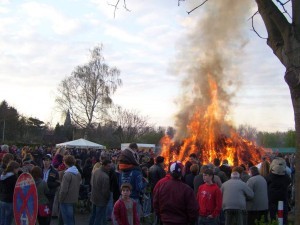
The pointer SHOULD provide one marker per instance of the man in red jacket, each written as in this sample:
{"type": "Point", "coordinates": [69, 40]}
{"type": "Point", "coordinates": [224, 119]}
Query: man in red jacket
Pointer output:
{"type": "Point", "coordinates": [173, 201]}
{"type": "Point", "coordinates": [209, 198]}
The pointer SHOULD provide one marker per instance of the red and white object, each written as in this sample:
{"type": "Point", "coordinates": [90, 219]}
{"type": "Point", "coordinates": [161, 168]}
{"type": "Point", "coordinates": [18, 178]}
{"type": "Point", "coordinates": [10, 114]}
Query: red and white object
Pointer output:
{"type": "Point", "coordinates": [280, 213]}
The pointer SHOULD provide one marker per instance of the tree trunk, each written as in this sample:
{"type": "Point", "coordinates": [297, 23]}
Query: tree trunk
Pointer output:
{"type": "Point", "coordinates": [284, 40]}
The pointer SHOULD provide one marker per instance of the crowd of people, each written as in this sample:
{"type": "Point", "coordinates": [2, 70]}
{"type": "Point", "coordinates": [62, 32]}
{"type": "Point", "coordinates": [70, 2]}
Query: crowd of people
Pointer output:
{"type": "Point", "coordinates": [129, 186]}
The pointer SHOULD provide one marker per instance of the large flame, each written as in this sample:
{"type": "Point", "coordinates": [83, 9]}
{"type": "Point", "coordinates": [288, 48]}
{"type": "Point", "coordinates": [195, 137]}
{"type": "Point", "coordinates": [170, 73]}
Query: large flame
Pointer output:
{"type": "Point", "coordinates": [206, 140]}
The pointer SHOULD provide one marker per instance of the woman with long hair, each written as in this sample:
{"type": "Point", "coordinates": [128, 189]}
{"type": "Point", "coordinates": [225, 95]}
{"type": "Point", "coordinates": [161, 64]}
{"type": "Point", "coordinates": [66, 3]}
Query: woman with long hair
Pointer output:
{"type": "Point", "coordinates": [264, 168]}
{"type": "Point", "coordinates": [8, 181]}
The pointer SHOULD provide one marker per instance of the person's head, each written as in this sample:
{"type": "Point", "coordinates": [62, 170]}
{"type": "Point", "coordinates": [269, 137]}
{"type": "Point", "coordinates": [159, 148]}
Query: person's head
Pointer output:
{"type": "Point", "coordinates": [36, 172]}
{"type": "Point", "coordinates": [203, 168]}
{"type": "Point", "coordinates": [47, 160]}
{"type": "Point", "coordinates": [134, 146]}
{"type": "Point", "coordinates": [106, 165]}
{"type": "Point", "coordinates": [159, 159]}
{"type": "Point", "coordinates": [208, 176]}
{"type": "Point", "coordinates": [126, 190]}
{"type": "Point", "coordinates": [194, 169]}
{"type": "Point", "coordinates": [235, 175]}
{"type": "Point", "coordinates": [217, 162]}
{"type": "Point", "coordinates": [7, 158]}
{"type": "Point", "coordinates": [4, 148]}
{"type": "Point", "coordinates": [69, 160]}
{"type": "Point", "coordinates": [225, 162]}
{"type": "Point", "coordinates": [176, 169]}
{"type": "Point", "coordinates": [238, 169]}
{"type": "Point", "coordinates": [254, 171]}
{"type": "Point", "coordinates": [193, 158]}
{"type": "Point", "coordinates": [12, 167]}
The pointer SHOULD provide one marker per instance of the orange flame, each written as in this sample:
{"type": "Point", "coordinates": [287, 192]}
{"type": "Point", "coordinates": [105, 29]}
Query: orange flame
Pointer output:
{"type": "Point", "coordinates": [205, 138]}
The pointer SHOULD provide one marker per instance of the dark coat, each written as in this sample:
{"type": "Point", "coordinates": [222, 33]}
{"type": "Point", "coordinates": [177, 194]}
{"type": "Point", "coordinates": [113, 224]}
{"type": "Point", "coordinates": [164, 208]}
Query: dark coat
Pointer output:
{"type": "Point", "coordinates": [278, 187]}
{"type": "Point", "coordinates": [156, 172]}
{"type": "Point", "coordinates": [7, 186]}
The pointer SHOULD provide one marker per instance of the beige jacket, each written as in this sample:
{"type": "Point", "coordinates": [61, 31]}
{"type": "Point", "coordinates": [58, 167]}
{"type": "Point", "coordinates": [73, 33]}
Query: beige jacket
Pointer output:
{"type": "Point", "coordinates": [69, 188]}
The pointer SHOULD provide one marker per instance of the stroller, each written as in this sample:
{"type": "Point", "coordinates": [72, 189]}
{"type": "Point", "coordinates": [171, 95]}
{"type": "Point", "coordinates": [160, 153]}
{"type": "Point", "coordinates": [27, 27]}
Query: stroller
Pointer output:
{"type": "Point", "coordinates": [84, 203]}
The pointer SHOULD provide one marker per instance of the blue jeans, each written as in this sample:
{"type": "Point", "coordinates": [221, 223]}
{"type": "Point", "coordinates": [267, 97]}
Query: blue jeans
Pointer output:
{"type": "Point", "coordinates": [207, 221]}
{"type": "Point", "coordinates": [110, 206]}
{"type": "Point", "coordinates": [67, 212]}
{"type": "Point", "coordinates": [6, 212]}
{"type": "Point", "coordinates": [98, 215]}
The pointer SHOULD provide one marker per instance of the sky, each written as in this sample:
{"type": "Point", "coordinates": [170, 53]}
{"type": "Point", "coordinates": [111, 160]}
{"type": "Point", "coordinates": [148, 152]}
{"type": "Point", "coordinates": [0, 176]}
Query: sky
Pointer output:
{"type": "Point", "coordinates": [41, 42]}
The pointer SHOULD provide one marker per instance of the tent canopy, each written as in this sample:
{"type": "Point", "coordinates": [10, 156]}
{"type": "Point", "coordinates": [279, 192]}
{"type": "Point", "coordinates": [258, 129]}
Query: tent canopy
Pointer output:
{"type": "Point", "coordinates": [81, 143]}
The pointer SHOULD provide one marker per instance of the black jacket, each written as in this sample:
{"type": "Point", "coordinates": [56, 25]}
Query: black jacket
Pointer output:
{"type": "Point", "coordinates": [278, 187]}
{"type": "Point", "coordinates": [7, 186]}
{"type": "Point", "coordinates": [52, 182]}
{"type": "Point", "coordinates": [156, 172]}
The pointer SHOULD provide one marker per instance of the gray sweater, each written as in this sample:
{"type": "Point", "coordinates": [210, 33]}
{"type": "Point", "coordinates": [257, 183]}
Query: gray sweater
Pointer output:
{"type": "Point", "coordinates": [69, 188]}
{"type": "Point", "coordinates": [235, 192]}
{"type": "Point", "coordinates": [258, 185]}
{"type": "Point", "coordinates": [100, 188]}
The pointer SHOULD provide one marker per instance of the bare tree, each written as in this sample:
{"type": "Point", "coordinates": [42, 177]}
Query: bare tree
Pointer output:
{"type": "Point", "coordinates": [129, 124]}
{"type": "Point", "coordinates": [87, 92]}
{"type": "Point", "coordinates": [248, 132]}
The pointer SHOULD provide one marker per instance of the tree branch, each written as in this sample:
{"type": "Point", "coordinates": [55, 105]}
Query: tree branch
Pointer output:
{"type": "Point", "coordinates": [252, 23]}
{"type": "Point", "coordinates": [197, 7]}
{"type": "Point", "coordinates": [116, 6]}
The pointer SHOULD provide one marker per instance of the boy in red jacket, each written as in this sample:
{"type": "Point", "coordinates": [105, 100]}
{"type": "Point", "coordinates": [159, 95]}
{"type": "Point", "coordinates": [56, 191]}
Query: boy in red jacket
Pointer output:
{"type": "Point", "coordinates": [125, 209]}
{"type": "Point", "coordinates": [209, 198]}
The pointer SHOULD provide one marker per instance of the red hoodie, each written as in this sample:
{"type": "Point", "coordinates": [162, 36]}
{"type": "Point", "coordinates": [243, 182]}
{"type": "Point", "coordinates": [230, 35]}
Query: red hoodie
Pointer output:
{"type": "Point", "coordinates": [209, 198]}
{"type": "Point", "coordinates": [160, 182]}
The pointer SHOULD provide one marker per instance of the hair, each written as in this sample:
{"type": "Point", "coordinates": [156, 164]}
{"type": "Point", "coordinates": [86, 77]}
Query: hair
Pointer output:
{"type": "Point", "coordinates": [254, 171]}
{"type": "Point", "coordinates": [12, 165]}
{"type": "Point", "coordinates": [7, 158]}
{"type": "Point", "coordinates": [217, 162]}
{"type": "Point", "coordinates": [36, 172]}
{"type": "Point", "coordinates": [203, 168]}
{"type": "Point", "coordinates": [105, 162]}
{"type": "Point", "coordinates": [225, 161]}
{"type": "Point", "coordinates": [4, 148]}
{"type": "Point", "coordinates": [69, 160]}
{"type": "Point", "coordinates": [126, 185]}
{"type": "Point", "coordinates": [60, 151]}
{"type": "Point", "coordinates": [209, 172]}
{"type": "Point", "coordinates": [96, 166]}
{"type": "Point", "coordinates": [193, 155]}
{"type": "Point", "coordinates": [243, 166]}
{"type": "Point", "coordinates": [238, 169]}
{"type": "Point", "coordinates": [194, 169]}
{"type": "Point", "coordinates": [176, 175]}
{"type": "Point", "coordinates": [264, 169]}
{"type": "Point", "coordinates": [133, 146]}
{"type": "Point", "coordinates": [235, 175]}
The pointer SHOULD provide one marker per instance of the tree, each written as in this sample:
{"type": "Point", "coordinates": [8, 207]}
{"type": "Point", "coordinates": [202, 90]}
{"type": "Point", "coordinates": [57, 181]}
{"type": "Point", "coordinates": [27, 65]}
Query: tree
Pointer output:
{"type": "Point", "coordinates": [284, 40]}
{"type": "Point", "coordinates": [87, 92]}
{"type": "Point", "coordinates": [129, 124]}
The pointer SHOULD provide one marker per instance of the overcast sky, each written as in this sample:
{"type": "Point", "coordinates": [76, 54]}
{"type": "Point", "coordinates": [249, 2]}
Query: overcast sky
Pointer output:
{"type": "Point", "coordinates": [41, 42]}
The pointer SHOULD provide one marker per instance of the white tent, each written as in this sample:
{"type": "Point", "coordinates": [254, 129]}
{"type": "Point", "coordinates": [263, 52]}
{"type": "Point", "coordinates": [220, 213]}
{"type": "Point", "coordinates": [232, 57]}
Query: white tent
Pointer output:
{"type": "Point", "coordinates": [81, 143]}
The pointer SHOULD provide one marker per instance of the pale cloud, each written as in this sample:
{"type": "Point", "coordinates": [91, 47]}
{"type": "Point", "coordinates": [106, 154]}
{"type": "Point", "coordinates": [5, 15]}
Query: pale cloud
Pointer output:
{"type": "Point", "coordinates": [37, 13]}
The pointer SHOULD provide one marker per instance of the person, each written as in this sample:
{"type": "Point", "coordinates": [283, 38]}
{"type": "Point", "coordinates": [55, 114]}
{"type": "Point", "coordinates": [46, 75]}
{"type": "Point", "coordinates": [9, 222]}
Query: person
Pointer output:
{"type": "Point", "coordinates": [100, 193]}
{"type": "Point", "coordinates": [235, 192]}
{"type": "Point", "coordinates": [51, 177]}
{"type": "Point", "coordinates": [189, 178]}
{"type": "Point", "coordinates": [174, 202]}
{"type": "Point", "coordinates": [156, 172]}
{"type": "Point", "coordinates": [264, 169]}
{"type": "Point", "coordinates": [125, 209]}
{"type": "Point", "coordinates": [244, 176]}
{"type": "Point", "coordinates": [209, 198]}
{"type": "Point", "coordinates": [130, 172]}
{"type": "Point", "coordinates": [58, 157]}
{"type": "Point", "coordinates": [198, 180]}
{"type": "Point", "coordinates": [69, 190]}
{"type": "Point", "coordinates": [226, 168]}
{"type": "Point", "coordinates": [258, 206]}
{"type": "Point", "coordinates": [8, 181]}
{"type": "Point", "coordinates": [218, 172]}
{"type": "Point", "coordinates": [278, 182]}
{"type": "Point", "coordinates": [7, 158]}
{"type": "Point", "coordinates": [44, 212]}
{"type": "Point", "coordinates": [192, 160]}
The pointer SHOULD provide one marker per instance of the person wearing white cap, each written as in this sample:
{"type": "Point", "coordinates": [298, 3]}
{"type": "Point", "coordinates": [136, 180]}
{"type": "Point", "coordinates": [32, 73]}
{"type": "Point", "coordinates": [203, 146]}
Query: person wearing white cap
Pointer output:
{"type": "Point", "coordinates": [174, 202]}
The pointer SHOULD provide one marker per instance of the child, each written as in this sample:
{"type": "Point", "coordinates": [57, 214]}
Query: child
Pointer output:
{"type": "Point", "coordinates": [125, 209]}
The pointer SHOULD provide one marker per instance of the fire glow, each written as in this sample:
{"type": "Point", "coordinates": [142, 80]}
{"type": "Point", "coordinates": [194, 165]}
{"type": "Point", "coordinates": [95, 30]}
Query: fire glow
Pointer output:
{"type": "Point", "coordinates": [207, 139]}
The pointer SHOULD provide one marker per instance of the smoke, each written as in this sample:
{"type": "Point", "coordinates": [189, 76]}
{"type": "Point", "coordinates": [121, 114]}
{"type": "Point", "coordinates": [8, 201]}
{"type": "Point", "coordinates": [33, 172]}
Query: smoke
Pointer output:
{"type": "Point", "coordinates": [211, 51]}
